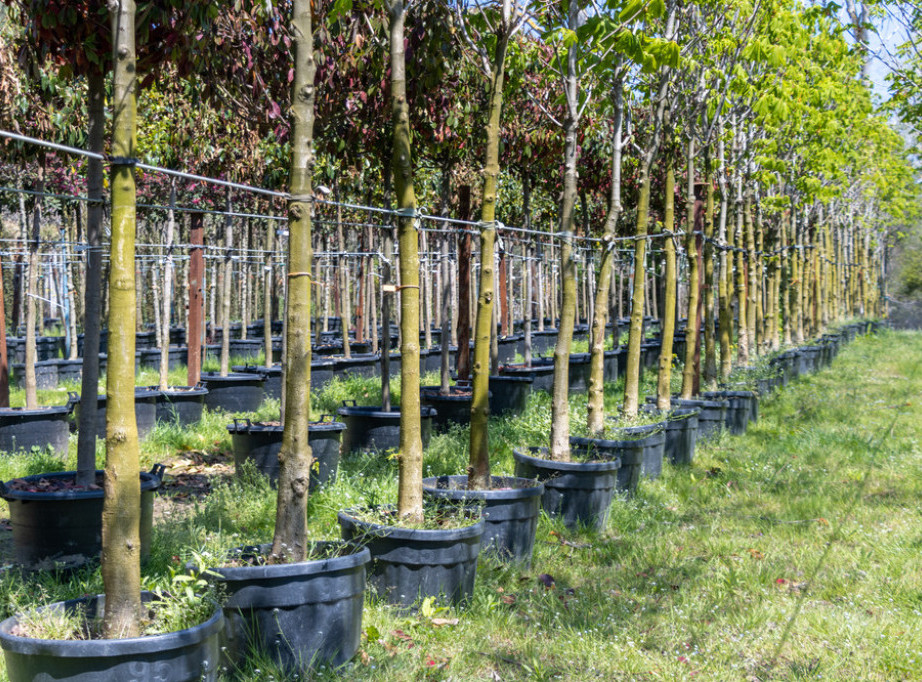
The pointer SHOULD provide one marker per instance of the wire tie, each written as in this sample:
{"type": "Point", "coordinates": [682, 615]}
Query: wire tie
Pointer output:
{"type": "Point", "coordinates": [408, 212]}
{"type": "Point", "coordinates": [122, 161]}
{"type": "Point", "coordinates": [299, 274]}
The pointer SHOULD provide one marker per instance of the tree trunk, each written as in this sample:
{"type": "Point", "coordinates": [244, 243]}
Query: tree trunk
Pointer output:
{"type": "Point", "coordinates": [196, 314]}
{"type": "Point", "coordinates": [691, 248]}
{"type": "Point", "coordinates": [268, 273]}
{"type": "Point", "coordinates": [290, 540]}
{"type": "Point", "coordinates": [710, 337]}
{"type": "Point", "coordinates": [121, 514]}
{"type": "Point", "coordinates": [32, 292]}
{"type": "Point", "coordinates": [664, 392]}
{"type": "Point", "coordinates": [227, 271]}
{"type": "Point", "coordinates": [167, 293]}
{"type": "Point", "coordinates": [463, 326]}
{"type": "Point", "coordinates": [410, 484]}
{"type": "Point", "coordinates": [742, 330]}
{"type": "Point", "coordinates": [560, 406]}
{"type": "Point", "coordinates": [596, 406]}
{"type": "Point", "coordinates": [632, 371]}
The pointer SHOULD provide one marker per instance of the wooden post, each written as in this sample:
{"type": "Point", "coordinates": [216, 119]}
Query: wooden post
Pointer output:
{"type": "Point", "coordinates": [196, 298]}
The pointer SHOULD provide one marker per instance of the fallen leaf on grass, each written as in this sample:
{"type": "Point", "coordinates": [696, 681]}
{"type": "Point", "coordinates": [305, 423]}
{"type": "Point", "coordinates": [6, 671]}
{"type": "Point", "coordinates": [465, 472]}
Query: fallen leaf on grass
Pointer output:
{"type": "Point", "coordinates": [439, 622]}
{"type": "Point", "coordinates": [548, 580]}
{"type": "Point", "coordinates": [756, 554]}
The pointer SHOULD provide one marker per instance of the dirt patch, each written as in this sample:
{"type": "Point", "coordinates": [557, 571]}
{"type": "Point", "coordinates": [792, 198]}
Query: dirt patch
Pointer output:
{"type": "Point", "coordinates": [189, 478]}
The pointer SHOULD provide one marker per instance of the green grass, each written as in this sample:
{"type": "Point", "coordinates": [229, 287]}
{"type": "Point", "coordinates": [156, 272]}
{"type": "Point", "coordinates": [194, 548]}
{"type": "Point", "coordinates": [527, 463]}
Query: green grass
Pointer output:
{"type": "Point", "coordinates": [789, 553]}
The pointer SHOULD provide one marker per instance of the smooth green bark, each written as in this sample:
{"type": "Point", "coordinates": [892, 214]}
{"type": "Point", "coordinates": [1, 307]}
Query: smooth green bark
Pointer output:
{"type": "Point", "coordinates": [289, 542]}
{"type": "Point", "coordinates": [121, 514]}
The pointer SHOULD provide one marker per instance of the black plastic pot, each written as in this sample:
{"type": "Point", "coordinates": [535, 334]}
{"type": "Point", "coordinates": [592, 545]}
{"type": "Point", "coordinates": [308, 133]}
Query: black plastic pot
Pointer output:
{"type": "Point", "coordinates": [711, 419]}
{"type": "Point", "coordinates": [611, 362]}
{"type": "Point", "coordinates": [301, 615]}
{"type": "Point", "coordinates": [145, 410]}
{"type": "Point", "coordinates": [246, 349]}
{"type": "Point", "coordinates": [409, 565]}
{"type": "Point", "coordinates": [541, 374]}
{"type": "Point", "coordinates": [509, 394]}
{"type": "Point", "coordinates": [373, 429]}
{"type": "Point", "coordinates": [543, 341]}
{"type": "Point", "coordinates": [321, 373]}
{"type": "Point", "coordinates": [66, 526]}
{"type": "Point", "coordinates": [181, 405]}
{"type": "Point", "coordinates": [272, 378]}
{"type": "Point", "coordinates": [650, 437]}
{"type": "Point", "coordinates": [738, 402]}
{"type": "Point", "coordinates": [69, 371]}
{"type": "Point", "coordinates": [628, 452]}
{"type": "Point", "coordinates": [176, 357]}
{"type": "Point", "coordinates": [510, 511]}
{"type": "Point", "coordinates": [576, 492]}
{"type": "Point", "coordinates": [359, 365]}
{"type": "Point", "coordinates": [233, 393]}
{"type": "Point", "coordinates": [454, 408]}
{"type": "Point", "coordinates": [506, 347]}
{"type": "Point", "coordinates": [22, 429]}
{"type": "Point", "coordinates": [681, 433]}
{"type": "Point", "coordinates": [260, 443]}
{"type": "Point", "coordinates": [46, 374]}
{"type": "Point", "coordinates": [189, 655]}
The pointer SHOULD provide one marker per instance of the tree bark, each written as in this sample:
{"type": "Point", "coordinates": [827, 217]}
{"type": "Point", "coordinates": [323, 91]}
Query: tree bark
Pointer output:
{"type": "Point", "coordinates": [691, 249]}
{"type": "Point", "coordinates": [289, 542]}
{"type": "Point", "coordinates": [664, 382]}
{"type": "Point", "coordinates": [196, 315]}
{"type": "Point", "coordinates": [167, 293]}
{"type": "Point", "coordinates": [121, 514]}
{"type": "Point", "coordinates": [560, 407]}
{"type": "Point", "coordinates": [227, 271]}
{"type": "Point", "coordinates": [410, 483]}
{"type": "Point", "coordinates": [596, 402]}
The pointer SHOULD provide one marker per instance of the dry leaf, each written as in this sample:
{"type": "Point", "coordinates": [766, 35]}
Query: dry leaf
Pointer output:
{"type": "Point", "coordinates": [439, 622]}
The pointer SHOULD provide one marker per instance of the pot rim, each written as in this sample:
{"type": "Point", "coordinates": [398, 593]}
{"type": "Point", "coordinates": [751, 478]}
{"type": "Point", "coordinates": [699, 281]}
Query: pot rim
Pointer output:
{"type": "Point", "coordinates": [376, 412]}
{"type": "Point", "coordinates": [346, 518]}
{"type": "Point", "coordinates": [359, 557]}
{"type": "Point", "coordinates": [106, 648]}
{"type": "Point", "coordinates": [150, 480]}
{"type": "Point", "coordinates": [528, 488]}
{"type": "Point", "coordinates": [594, 466]}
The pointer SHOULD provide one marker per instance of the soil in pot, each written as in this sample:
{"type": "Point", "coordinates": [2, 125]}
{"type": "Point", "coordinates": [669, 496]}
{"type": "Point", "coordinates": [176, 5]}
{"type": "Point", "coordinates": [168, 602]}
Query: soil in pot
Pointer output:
{"type": "Point", "coordinates": [509, 509]}
{"type": "Point", "coordinates": [56, 523]}
{"type": "Point", "coordinates": [371, 429]}
{"type": "Point", "coordinates": [189, 655]}
{"type": "Point", "coordinates": [260, 442]}
{"type": "Point", "coordinates": [409, 564]}
{"type": "Point", "coordinates": [578, 492]}
{"type": "Point", "coordinates": [22, 429]}
{"type": "Point", "coordinates": [300, 615]}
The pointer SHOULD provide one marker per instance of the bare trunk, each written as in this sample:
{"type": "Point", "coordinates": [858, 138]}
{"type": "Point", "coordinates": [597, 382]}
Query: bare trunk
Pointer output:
{"type": "Point", "coordinates": [121, 513]}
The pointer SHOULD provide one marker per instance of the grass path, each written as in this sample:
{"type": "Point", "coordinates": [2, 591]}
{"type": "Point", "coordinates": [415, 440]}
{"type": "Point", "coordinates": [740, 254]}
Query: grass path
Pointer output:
{"type": "Point", "coordinates": [790, 553]}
